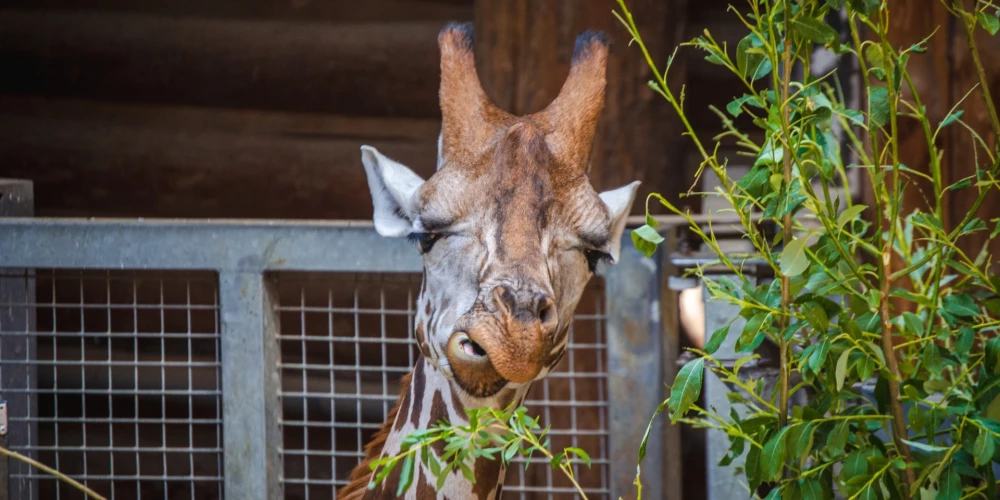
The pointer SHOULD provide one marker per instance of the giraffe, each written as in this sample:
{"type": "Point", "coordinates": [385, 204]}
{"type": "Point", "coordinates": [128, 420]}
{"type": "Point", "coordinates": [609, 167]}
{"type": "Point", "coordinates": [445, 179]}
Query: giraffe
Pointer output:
{"type": "Point", "coordinates": [510, 231]}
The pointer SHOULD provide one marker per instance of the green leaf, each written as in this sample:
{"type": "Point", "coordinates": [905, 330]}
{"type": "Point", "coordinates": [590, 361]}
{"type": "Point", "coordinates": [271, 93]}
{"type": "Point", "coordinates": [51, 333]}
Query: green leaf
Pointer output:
{"type": "Point", "coordinates": [811, 488]}
{"type": "Point", "coordinates": [752, 471]}
{"type": "Point", "coordinates": [924, 447]}
{"type": "Point", "coordinates": [951, 118]}
{"type": "Point", "coordinates": [754, 181]}
{"type": "Point", "coordinates": [801, 442]}
{"type": "Point", "coordinates": [852, 115]}
{"type": "Point", "coordinates": [962, 184]}
{"type": "Point", "coordinates": [735, 107]}
{"type": "Point", "coordinates": [856, 463]}
{"type": "Point", "coordinates": [841, 370]}
{"type": "Point", "coordinates": [983, 448]}
{"type": "Point", "coordinates": [751, 61]}
{"type": "Point", "coordinates": [582, 455]}
{"type": "Point", "coordinates": [992, 362]}
{"type": "Point", "coordinates": [966, 337]}
{"type": "Point", "coordinates": [878, 105]}
{"type": "Point", "coordinates": [850, 214]}
{"type": "Point", "coordinates": [405, 476]}
{"type": "Point", "coordinates": [961, 305]}
{"type": "Point", "coordinates": [769, 155]}
{"type": "Point", "coordinates": [686, 388]}
{"type": "Point", "coordinates": [931, 357]}
{"type": "Point", "coordinates": [646, 239]}
{"type": "Point", "coordinates": [793, 258]}
{"type": "Point", "coordinates": [818, 357]}
{"type": "Point", "coordinates": [716, 340]}
{"type": "Point", "coordinates": [813, 30]}
{"type": "Point", "coordinates": [993, 409]}
{"type": "Point", "coordinates": [773, 455]}
{"type": "Point", "coordinates": [752, 331]}
{"type": "Point", "coordinates": [836, 441]}
{"type": "Point", "coordinates": [950, 485]}
{"type": "Point", "coordinates": [989, 22]}
{"type": "Point", "coordinates": [913, 324]}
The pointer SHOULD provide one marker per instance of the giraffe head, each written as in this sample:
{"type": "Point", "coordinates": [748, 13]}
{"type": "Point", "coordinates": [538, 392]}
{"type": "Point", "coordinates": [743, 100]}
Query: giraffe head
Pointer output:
{"type": "Point", "coordinates": [509, 227]}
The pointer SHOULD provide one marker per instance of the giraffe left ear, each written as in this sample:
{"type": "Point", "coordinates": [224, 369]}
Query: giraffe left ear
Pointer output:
{"type": "Point", "coordinates": [394, 193]}
{"type": "Point", "coordinates": [619, 204]}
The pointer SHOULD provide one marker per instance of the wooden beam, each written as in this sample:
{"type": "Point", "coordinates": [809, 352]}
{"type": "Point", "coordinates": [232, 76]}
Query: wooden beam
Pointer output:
{"type": "Point", "coordinates": [379, 69]}
{"type": "Point", "coordinates": [330, 11]}
{"type": "Point", "coordinates": [99, 159]}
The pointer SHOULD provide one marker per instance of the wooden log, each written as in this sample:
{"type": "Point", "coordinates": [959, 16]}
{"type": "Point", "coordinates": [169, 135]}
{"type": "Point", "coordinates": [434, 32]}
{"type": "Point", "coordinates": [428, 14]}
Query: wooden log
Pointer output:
{"type": "Point", "coordinates": [352, 69]}
{"type": "Point", "coordinates": [107, 160]}
{"type": "Point", "coordinates": [334, 11]}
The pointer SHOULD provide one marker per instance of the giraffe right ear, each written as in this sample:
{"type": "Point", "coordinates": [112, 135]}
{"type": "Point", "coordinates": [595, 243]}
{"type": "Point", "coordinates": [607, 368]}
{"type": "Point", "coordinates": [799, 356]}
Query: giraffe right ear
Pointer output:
{"type": "Point", "coordinates": [394, 193]}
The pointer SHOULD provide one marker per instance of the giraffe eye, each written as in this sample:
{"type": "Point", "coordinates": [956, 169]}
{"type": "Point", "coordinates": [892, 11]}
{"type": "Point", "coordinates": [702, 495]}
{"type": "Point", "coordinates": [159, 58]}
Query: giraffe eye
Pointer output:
{"type": "Point", "coordinates": [595, 256]}
{"type": "Point", "coordinates": [424, 240]}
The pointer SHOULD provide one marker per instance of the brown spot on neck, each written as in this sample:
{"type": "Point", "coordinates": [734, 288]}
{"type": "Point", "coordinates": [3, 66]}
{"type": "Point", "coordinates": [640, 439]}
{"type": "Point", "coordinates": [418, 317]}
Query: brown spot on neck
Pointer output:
{"type": "Point", "coordinates": [419, 383]}
{"type": "Point", "coordinates": [487, 476]}
{"type": "Point", "coordinates": [438, 412]}
{"type": "Point", "coordinates": [357, 486]}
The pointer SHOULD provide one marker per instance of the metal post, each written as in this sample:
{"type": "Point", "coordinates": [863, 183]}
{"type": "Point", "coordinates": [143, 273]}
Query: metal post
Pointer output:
{"type": "Point", "coordinates": [250, 382]}
{"type": "Point", "coordinates": [723, 483]}
{"type": "Point", "coordinates": [635, 368]}
{"type": "Point", "coordinates": [17, 349]}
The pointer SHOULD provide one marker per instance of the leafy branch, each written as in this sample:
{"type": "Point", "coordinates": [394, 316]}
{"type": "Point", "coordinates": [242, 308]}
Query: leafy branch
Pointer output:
{"type": "Point", "coordinates": [490, 434]}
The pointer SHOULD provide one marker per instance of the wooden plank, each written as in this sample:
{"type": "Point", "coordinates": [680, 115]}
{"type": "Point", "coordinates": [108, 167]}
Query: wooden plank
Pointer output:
{"type": "Point", "coordinates": [378, 69]}
{"type": "Point", "coordinates": [335, 11]}
{"type": "Point", "coordinates": [960, 149]}
{"type": "Point", "coordinates": [88, 159]}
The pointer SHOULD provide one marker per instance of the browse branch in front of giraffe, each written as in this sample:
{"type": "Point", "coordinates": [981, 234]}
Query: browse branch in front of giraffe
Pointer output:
{"type": "Point", "coordinates": [510, 231]}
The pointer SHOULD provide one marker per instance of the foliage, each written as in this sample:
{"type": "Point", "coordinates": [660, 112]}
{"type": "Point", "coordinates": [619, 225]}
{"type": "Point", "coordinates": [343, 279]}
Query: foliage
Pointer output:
{"type": "Point", "coordinates": [895, 302]}
{"type": "Point", "coordinates": [889, 300]}
{"type": "Point", "coordinates": [489, 433]}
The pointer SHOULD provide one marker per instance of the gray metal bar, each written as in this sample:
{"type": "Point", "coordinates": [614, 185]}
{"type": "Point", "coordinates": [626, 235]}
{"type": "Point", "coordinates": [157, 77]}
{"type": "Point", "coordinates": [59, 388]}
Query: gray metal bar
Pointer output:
{"type": "Point", "coordinates": [635, 366]}
{"type": "Point", "coordinates": [17, 286]}
{"type": "Point", "coordinates": [203, 245]}
{"type": "Point", "coordinates": [722, 482]}
{"type": "Point", "coordinates": [673, 467]}
{"type": "Point", "coordinates": [250, 383]}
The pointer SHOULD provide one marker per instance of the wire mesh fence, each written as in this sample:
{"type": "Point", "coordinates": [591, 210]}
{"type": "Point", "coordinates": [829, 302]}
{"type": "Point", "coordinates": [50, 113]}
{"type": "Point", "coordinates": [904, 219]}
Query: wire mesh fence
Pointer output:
{"type": "Point", "coordinates": [112, 378]}
{"type": "Point", "coordinates": [347, 339]}
{"type": "Point", "coordinates": [261, 356]}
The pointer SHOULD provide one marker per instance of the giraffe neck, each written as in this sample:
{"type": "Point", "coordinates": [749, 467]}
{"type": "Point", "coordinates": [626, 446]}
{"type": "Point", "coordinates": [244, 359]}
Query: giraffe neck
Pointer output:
{"type": "Point", "coordinates": [426, 398]}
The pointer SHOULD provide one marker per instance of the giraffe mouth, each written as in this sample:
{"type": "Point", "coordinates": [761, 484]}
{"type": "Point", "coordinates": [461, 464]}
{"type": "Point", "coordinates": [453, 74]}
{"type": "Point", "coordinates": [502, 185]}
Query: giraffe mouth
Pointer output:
{"type": "Point", "coordinates": [472, 349]}
{"type": "Point", "coordinates": [467, 348]}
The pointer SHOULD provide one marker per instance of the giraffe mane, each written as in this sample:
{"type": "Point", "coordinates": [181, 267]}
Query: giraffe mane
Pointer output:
{"type": "Point", "coordinates": [361, 474]}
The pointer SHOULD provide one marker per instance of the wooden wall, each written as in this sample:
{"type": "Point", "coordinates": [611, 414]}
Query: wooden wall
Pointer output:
{"type": "Point", "coordinates": [227, 108]}
{"type": "Point", "coordinates": [252, 108]}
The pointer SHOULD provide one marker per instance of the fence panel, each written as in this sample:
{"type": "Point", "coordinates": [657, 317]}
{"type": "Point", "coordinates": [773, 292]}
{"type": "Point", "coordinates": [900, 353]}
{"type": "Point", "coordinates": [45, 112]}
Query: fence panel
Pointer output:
{"type": "Point", "coordinates": [253, 359]}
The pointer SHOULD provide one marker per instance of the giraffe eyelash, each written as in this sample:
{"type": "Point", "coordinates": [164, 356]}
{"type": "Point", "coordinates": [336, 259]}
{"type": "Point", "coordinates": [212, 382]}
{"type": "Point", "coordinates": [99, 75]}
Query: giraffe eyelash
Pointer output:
{"type": "Point", "coordinates": [596, 256]}
{"type": "Point", "coordinates": [424, 240]}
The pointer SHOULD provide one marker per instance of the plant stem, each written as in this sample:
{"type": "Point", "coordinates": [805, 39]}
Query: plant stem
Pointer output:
{"type": "Point", "coordinates": [893, 200]}
{"type": "Point", "coordinates": [786, 292]}
{"type": "Point", "coordinates": [44, 468]}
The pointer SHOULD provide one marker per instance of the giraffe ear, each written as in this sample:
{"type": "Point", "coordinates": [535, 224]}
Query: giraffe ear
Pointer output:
{"type": "Point", "coordinates": [619, 204]}
{"type": "Point", "coordinates": [394, 193]}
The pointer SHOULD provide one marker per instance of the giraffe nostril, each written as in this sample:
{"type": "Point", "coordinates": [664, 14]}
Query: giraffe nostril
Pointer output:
{"type": "Point", "coordinates": [546, 311]}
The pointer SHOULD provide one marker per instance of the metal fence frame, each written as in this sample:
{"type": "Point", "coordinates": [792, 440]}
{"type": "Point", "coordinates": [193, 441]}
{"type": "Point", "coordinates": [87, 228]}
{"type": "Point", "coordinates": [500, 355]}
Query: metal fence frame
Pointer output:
{"type": "Point", "coordinates": [244, 252]}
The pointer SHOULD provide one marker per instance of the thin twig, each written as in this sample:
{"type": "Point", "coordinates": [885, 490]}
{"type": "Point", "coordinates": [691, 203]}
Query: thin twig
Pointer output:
{"type": "Point", "coordinates": [48, 470]}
